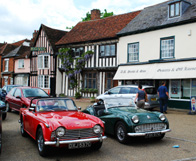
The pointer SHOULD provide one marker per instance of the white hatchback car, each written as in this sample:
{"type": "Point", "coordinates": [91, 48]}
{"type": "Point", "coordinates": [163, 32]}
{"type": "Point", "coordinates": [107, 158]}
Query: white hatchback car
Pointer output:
{"type": "Point", "coordinates": [129, 91]}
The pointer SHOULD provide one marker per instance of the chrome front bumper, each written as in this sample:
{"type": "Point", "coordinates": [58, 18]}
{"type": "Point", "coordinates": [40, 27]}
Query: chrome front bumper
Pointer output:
{"type": "Point", "coordinates": [60, 142]}
{"type": "Point", "coordinates": [146, 133]}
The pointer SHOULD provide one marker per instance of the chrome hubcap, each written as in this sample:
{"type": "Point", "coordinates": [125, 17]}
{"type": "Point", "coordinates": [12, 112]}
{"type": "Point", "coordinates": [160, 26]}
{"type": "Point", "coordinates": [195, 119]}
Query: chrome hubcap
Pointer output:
{"type": "Point", "coordinates": [120, 133]}
{"type": "Point", "coordinates": [40, 142]}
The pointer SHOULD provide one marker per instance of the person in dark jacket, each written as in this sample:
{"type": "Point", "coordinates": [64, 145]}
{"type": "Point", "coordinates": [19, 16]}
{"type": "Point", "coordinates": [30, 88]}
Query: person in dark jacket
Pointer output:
{"type": "Point", "coordinates": [163, 97]}
{"type": "Point", "coordinates": [140, 97]}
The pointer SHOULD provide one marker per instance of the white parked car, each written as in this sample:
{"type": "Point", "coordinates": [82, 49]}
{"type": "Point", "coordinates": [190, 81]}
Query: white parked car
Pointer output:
{"type": "Point", "coordinates": [129, 91]}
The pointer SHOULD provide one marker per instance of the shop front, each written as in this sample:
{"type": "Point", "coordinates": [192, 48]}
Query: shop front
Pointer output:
{"type": "Point", "coordinates": [180, 77]}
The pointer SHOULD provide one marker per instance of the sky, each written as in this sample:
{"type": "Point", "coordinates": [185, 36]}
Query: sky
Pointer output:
{"type": "Point", "coordinates": [19, 18]}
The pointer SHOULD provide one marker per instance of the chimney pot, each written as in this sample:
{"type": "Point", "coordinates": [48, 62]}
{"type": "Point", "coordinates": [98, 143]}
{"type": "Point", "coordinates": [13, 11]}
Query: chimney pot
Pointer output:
{"type": "Point", "coordinates": [95, 14]}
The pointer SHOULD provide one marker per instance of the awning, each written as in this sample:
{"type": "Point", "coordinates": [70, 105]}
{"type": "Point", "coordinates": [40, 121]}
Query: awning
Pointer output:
{"type": "Point", "coordinates": [169, 70]}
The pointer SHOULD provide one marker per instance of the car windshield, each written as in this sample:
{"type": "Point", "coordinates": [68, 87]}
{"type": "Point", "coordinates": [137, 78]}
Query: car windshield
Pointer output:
{"type": "Point", "coordinates": [150, 90]}
{"type": "Point", "coordinates": [55, 105]}
{"type": "Point", "coordinates": [34, 92]}
{"type": "Point", "coordinates": [113, 102]}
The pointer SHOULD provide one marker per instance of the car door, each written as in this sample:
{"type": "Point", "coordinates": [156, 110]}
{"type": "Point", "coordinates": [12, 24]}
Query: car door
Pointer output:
{"type": "Point", "coordinates": [128, 92]}
{"type": "Point", "coordinates": [17, 99]}
{"type": "Point", "coordinates": [30, 121]}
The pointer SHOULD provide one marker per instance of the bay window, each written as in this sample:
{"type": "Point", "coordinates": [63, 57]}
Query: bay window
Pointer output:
{"type": "Point", "coordinates": [43, 61]}
{"type": "Point", "coordinates": [43, 81]}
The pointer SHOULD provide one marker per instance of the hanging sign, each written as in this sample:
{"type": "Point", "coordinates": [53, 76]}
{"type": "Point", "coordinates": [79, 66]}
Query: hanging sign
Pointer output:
{"type": "Point", "coordinates": [38, 49]}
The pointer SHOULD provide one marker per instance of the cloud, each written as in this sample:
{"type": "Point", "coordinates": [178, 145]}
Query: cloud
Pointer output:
{"type": "Point", "coordinates": [20, 18]}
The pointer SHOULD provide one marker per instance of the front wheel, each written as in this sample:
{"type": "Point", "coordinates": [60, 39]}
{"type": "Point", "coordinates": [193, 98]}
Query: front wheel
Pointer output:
{"type": "Point", "coordinates": [43, 150]}
{"type": "Point", "coordinates": [22, 131]}
{"type": "Point", "coordinates": [7, 107]}
{"type": "Point", "coordinates": [97, 146]}
{"type": "Point", "coordinates": [121, 133]}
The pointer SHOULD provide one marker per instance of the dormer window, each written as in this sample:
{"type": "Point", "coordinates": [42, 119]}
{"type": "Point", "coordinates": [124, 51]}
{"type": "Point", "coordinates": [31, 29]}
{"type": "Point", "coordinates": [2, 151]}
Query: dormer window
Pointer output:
{"type": "Point", "coordinates": [174, 10]}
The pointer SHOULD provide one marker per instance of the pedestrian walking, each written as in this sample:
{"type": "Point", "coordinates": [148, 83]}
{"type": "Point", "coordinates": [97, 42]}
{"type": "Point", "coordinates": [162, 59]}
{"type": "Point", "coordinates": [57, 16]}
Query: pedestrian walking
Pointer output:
{"type": "Point", "coordinates": [163, 97]}
{"type": "Point", "coordinates": [140, 97]}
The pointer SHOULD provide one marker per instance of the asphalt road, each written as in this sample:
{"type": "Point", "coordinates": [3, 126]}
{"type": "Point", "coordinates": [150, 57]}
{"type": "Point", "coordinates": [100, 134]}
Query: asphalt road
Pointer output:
{"type": "Point", "coordinates": [18, 148]}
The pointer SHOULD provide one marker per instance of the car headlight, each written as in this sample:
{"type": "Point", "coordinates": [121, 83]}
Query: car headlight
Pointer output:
{"type": "Point", "coordinates": [60, 131]}
{"type": "Point", "coordinates": [135, 119]}
{"type": "Point", "coordinates": [162, 117]}
{"type": "Point", "coordinates": [97, 129]}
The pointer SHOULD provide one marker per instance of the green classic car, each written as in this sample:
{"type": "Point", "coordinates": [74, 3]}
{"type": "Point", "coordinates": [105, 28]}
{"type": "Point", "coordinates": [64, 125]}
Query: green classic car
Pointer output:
{"type": "Point", "coordinates": [123, 119]}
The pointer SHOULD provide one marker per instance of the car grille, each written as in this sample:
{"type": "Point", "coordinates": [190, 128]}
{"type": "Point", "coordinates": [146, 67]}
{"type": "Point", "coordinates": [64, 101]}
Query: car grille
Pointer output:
{"type": "Point", "coordinates": [77, 134]}
{"type": "Point", "coordinates": [150, 127]}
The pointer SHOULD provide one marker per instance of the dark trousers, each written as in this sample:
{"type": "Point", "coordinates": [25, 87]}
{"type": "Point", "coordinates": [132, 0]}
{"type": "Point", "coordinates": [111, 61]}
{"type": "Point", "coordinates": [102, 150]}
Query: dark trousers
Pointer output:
{"type": "Point", "coordinates": [163, 104]}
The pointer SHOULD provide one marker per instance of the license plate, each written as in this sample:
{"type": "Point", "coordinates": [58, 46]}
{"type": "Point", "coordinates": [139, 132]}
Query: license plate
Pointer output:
{"type": "Point", "coordinates": [153, 99]}
{"type": "Point", "coordinates": [151, 135]}
{"type": "Point", "coordinates": [79, 145]}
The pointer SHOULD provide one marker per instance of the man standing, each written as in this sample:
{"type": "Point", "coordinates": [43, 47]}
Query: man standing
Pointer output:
{"type": "Point", "coordinates": [163, 97]}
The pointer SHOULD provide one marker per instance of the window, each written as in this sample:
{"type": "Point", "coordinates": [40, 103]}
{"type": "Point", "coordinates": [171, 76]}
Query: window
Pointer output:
{"type": "Point", "coordinates": [114, 90]}
{"type": "Point", "coordinates": [174, 10]}
{"type": "Point", "coordinates": [43, 81]}
{"type": "Point", "coordinates": [182, 89]}
{"type": "Point", "coordinates": [167, 47]}
{"type": "Point", "coordinates": [21, 63]}
{"type": "Point", "coordinates": [17, 93]}
{"type": "Point", "coordinates": [107, 50]}
{"type": "Point", "coordinates": [43, 61]}
{"type": "Point", "coordinates": [6, 65]}
{"type": "Point", "coordinates": [109, 80]}
{"type": "Point", "coordinates": [77, 52]}
{"type": "Point", "coordinates": [133, 52]}
{"type": "Point", "coordinates": [90, 80]}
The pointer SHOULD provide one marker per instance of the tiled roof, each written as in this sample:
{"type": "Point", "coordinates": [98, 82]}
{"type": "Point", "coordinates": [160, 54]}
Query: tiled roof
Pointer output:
{"type": "Point", "coordinates": [4, 50]}
{"type": "Point", "coordinates": [156, 17]}
{"type": "Point", "coordinates": [20, 42]}
{"type": "Point", "coordinates": [99, 29]}
{"type": "Point", "coordinates": [19, 52]}
{"type": "Point", "coordinates": [53, 35]}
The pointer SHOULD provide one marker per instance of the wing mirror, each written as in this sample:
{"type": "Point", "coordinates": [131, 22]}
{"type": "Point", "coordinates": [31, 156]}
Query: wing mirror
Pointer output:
{"type": "Point", "coordinates": [31, 109]}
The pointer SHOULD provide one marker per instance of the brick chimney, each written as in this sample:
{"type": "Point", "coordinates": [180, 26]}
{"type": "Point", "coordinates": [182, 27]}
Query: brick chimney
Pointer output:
{"type": "Point", "coordinates": [35, 33]}
{"type": "Point", "coordinates": [95, 14]}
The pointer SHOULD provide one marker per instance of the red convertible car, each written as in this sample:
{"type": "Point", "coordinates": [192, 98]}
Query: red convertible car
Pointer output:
{"type": "Point", "coordinates": [20, 97]}
{"type": "Point", "coordinates": [57, 122]}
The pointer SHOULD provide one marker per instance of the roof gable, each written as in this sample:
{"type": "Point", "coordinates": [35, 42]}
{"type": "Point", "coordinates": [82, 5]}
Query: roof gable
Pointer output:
{"type": "Point", "coordinates": [156, 17]}
{"type": "Point", "coordinates": [53, 35]}
{"type": "Point", "coordinates": [98, 29]}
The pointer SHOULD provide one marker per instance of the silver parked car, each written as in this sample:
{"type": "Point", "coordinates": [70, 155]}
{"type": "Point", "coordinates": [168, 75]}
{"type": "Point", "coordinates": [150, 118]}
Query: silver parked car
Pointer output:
{"type": "Point", "coordinates": [129, 91]}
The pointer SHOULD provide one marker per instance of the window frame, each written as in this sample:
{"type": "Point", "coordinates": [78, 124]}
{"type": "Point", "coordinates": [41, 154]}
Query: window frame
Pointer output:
{"type": "Point", "coordinates": [86, 80]}
{"type": "Point", "coordinates": [74, 49]}
{"type": "Point", "coordinates": [175, 15]}
{"type": "Point", "coordinates": [43, 81]}
{"type": "Point", "coordinates": [43, 63]}
{"type": "Point", "coordinates": [105, 45]}
{"type": "Point", "coordinates": [20, 61]}
{"type": "Point", "coordinates": [6, 65]}
{"type": "Point", "coordinates": [167, 38]}
{"type": "Point", "coordinates": [134, 53]}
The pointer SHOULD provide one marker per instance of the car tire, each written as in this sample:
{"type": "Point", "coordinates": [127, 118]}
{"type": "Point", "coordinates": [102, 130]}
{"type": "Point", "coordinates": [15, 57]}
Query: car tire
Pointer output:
{"type": "Point", "coordinates": [4, 115]}
{"type": "Point", "coordinates": [43, 149]}
{"type": "Point", "coordinates": [22, 131]}
{"type": "Point", "coordinates": [121, 133]}
{"type": "Point", "coordinates": [160, 137]}
{"type": "Point", "coordinates": [7, 107]}
{"type": "Point", "coordinates": [97, 146]}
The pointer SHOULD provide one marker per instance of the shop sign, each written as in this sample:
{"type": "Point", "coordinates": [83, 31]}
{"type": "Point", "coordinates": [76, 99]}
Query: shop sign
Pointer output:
{"type": "Point", "coordinates": [38, 49]}
{"type": "Point", "coordinates": [193, 104]}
